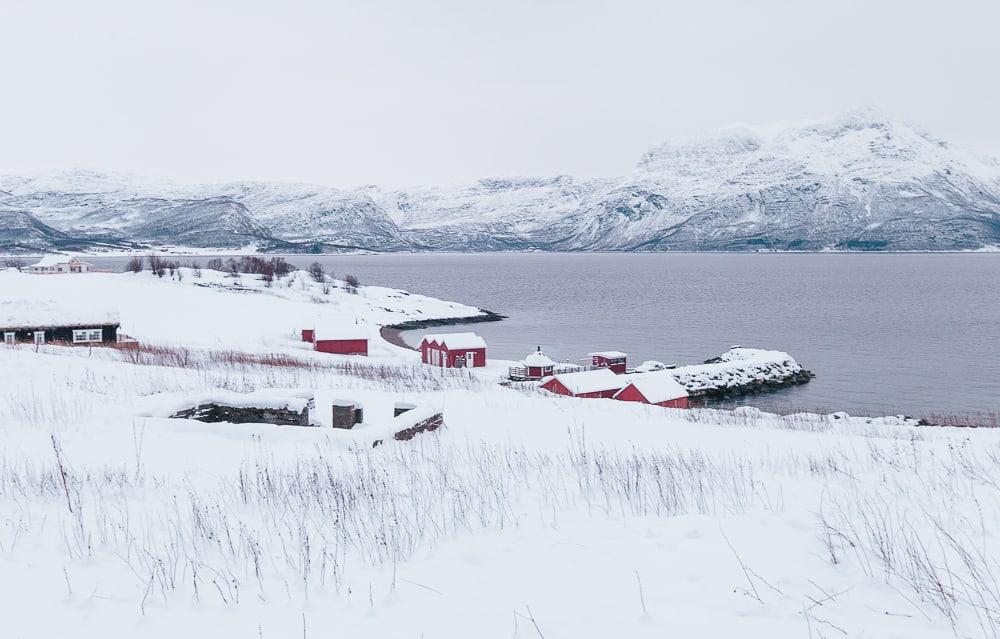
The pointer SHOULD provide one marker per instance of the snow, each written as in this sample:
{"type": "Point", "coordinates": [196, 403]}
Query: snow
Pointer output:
{"type": "Point", "coordinates": [739, 366]}
{"type": "Point", "coordinates": [528, 515]}
{"type": "Point", "coordinates": [656, 387]}
{"type": "Point", "coordinates": [593, 381]}
{"type": "Point", "coordinates": [34, 312]}
{"type": "Point", "coordinates": [165, 405]}
{"type": "Point", "coordinates": [609, 354]}
{"type": "Point", "coordinates": [538, 359]}
{"type": "Point", "coordinates": [342, 332]}
{"type": "Point", "coordinates": [457, 340]}
{"type": "Point", "coordinates": [56, 259]}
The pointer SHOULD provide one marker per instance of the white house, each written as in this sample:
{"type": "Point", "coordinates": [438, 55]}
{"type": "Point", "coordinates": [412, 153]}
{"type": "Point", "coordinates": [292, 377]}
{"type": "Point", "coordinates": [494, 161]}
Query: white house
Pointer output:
{"type": "Point", "coordinates": [60, 264]}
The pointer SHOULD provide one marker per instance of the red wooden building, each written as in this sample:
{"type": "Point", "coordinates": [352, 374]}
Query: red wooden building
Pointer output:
{"type": "Point", "coordinates": [349, 340]}
{"type": "Point", "coordinates": [538, 365]}
{"type": "Point", "coordinates": [600, 382]}
{"type": "Point", "coordinates": [308, 335]}
{"type": "Point", "coordinates": [612, 360]}
{"type": "Point", "coordinates": [453, 350]}
{"type": "Point", "coordinates": [659, 388]}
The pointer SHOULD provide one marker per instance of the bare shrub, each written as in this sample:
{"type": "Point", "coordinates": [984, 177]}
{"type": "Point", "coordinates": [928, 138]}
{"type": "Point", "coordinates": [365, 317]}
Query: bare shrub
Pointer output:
{"type": "Point", "coordinates": [156, 264]}
{"type": "Point", "coordinates": [135, 264]}
{"type": "Point", "coordinates": [316, 272]}
{"type": "Point", "coordinates": [352, 284]}
{"type": "Point", "coordinates": [215, 264]}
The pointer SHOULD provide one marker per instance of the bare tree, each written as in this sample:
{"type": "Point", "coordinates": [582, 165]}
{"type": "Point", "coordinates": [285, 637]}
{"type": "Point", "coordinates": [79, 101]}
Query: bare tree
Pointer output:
{"type": "Point", "coordinates": [352, 283]}
{"type": "Point", "coordinates": [317, 272]}
{"type": "Point", "coordinates": [215, 264]}
{"type": "Point", "coordinates": [135, 264]}
{"type": "Point", "coordinates": [155, 263]}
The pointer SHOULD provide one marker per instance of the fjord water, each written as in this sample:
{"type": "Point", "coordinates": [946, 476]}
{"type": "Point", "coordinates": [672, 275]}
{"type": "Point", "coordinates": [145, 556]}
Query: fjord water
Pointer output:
{"type": "Point", "coordinates": [884, 333]}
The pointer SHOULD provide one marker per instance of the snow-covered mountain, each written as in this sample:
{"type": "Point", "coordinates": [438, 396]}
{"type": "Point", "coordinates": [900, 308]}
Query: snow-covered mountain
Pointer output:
{"type": "Point", "coordinates": [856, 181]}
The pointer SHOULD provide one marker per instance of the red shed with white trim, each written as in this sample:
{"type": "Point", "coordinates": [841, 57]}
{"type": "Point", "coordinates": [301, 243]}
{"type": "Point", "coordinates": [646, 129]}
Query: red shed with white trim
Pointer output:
{"type": "Point", "coordinates": [612, 360]}
{"type": "Point", "coordinates": [596, 383]}
{"type": "Point", "coordinates": [659, 388]}
{"type": "Point", "coordinates": [538, 365]}
{"type": "Point", "coordinates": [346, 340]}
{"type": "Point", "coordinates": [453, 350]}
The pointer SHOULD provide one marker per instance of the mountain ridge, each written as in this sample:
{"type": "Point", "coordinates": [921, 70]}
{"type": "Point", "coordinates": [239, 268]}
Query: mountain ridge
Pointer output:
{"type": "Point", "coordinates": [857, 181]}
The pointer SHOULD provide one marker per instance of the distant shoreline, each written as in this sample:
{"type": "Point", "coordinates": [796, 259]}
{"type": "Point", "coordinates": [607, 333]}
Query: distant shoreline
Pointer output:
{"type": "Point", "coordinates": [208, 253]}
{"type": "Point", "coordinates": [393, 333]}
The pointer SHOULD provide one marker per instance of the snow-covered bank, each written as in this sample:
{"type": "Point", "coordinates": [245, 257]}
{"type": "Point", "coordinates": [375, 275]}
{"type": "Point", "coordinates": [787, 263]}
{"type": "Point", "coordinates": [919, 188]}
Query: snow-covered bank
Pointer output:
{"type": "Point", "coordinates": [527, 515]}
{"type": "Point", "coordinates": [214, 309]}
{"type": "Point", "coordinates": [739, 371]}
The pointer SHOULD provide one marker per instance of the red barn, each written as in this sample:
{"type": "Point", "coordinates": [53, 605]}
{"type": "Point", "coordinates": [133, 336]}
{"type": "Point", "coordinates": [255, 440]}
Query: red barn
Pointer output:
{"type": "Point", "coordinates": [596, 383]}
{"type": "Point", "coordinates": [659, 388]}
{"type": "Point", "coordinates": [612, 360]}
{"type": "Point", "coordinates": [453, 350]}
{"type": "Point", "coordinates": [307, 335]}
{"type": "Point", "coordinates": [348, 340]}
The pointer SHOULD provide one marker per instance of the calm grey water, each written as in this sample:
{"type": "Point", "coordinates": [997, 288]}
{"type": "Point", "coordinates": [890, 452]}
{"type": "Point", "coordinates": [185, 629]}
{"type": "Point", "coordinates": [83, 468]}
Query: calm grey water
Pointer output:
{"type": "Point", "coordinates": [897, 333]}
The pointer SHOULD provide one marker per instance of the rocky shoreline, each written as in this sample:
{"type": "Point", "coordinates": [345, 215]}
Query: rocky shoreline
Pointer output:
{"type": "Point", "coordinates": [757, 386]}
{"type": "Point", "coordinates": [392, 333]}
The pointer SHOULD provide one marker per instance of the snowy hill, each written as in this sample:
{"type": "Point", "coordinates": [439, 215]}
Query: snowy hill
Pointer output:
{"type": "Point", "coordinates": [856, 181]}
{"type": "Point", "coordinates": [527, 515]}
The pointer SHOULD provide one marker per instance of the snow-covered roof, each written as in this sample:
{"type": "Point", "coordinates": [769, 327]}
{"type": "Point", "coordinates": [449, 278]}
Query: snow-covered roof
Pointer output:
{"type": "Point", "coordinates": [44, 313]}
{"type": "Point", "coordinates": [538, 358]}
{"type": "Point", "coordinates": [53, 260]}
{"type": "Point", "coordinates": [325, 332]}
{"type": "Point", "coordinates": [649, 366]}
{"type": "Point", "coordinates": [457, 340]}
{"type": "Point", "coordinates": [600, 379]}
{"type": "Point", "coordinates": [608, 354]}
{"type": "Point", "coordinates": [656, 387]}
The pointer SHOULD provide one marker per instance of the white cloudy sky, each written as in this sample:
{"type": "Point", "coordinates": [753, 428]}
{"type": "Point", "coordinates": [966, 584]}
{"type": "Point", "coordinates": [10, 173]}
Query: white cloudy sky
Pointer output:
{"type": "Point", "coordinates": [404, 92]}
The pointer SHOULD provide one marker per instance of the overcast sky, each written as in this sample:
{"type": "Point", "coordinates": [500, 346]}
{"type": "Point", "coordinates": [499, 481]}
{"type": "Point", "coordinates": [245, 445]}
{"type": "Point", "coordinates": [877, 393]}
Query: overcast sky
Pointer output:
{"type": "Point", "coordinates": [404, 92]}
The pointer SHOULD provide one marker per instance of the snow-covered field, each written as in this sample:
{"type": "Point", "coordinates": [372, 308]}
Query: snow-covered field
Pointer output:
{"type": "Point", "coordinates": [528, 515]}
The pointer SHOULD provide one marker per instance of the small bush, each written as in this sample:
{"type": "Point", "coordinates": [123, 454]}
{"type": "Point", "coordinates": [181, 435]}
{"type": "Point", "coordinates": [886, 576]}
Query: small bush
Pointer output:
{"type": "Point", "coordinates": [316, 272]}
{"type": "Point", "coordinates": [135, 264]}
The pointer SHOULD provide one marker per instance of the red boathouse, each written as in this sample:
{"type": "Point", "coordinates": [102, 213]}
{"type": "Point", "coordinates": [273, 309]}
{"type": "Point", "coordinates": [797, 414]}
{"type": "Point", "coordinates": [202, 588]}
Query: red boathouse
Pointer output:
{"type": "Point", "coordinates": [453, 350]}
{"type": "Point", "coordinates": [351, 340]}
{"type": "Point", "coordinates": [659, 388]}
{"type": "Point", "coordinates": [592, 384]}
{"type": "Point", "coordinates": [612, 360]}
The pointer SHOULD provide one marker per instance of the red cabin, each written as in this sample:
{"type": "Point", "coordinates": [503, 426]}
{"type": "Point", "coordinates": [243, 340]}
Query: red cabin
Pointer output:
{"type": "Point", "coordinates": [596, 383]}
{"type": "Point", "coordinates": [612, 360]}
{"type": "Point", "coordinates": [659, 388]}
{"type": "Point", "coordinates": [453, 350]}
{"type": "Point", "coordinates": [307, 335]}
{"type": "Point", "coordinates": [537, 365]}
{"type": "Point", "coordinates": [351, 340]}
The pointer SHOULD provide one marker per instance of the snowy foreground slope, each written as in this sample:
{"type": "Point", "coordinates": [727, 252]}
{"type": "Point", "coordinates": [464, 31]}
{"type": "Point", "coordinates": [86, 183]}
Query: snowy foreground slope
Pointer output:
{"type": "Point", "coordinates": [856, 181]}
{"type": "Point", "coordinates": [527, 515]}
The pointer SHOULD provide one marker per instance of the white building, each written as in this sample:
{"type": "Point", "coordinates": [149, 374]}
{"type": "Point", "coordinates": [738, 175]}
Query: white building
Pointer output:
{"type": "Point", "coordinates": [60, 264]}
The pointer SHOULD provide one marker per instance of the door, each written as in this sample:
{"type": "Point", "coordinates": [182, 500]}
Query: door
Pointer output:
{"type": "Point", "coordinates": [8, 339]}
{"type": "Point", "coordinates": [39, 337]}
{"type": "Point", "coordinates": [470, 359]}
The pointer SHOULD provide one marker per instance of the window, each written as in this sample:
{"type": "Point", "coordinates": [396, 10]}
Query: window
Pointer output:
{"type": "Point", "coordinates": [39, 337]}
{"type": "Point", "coordinates": [8, 339]}
{"type": "Point", "coordinates": [87, 335]}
